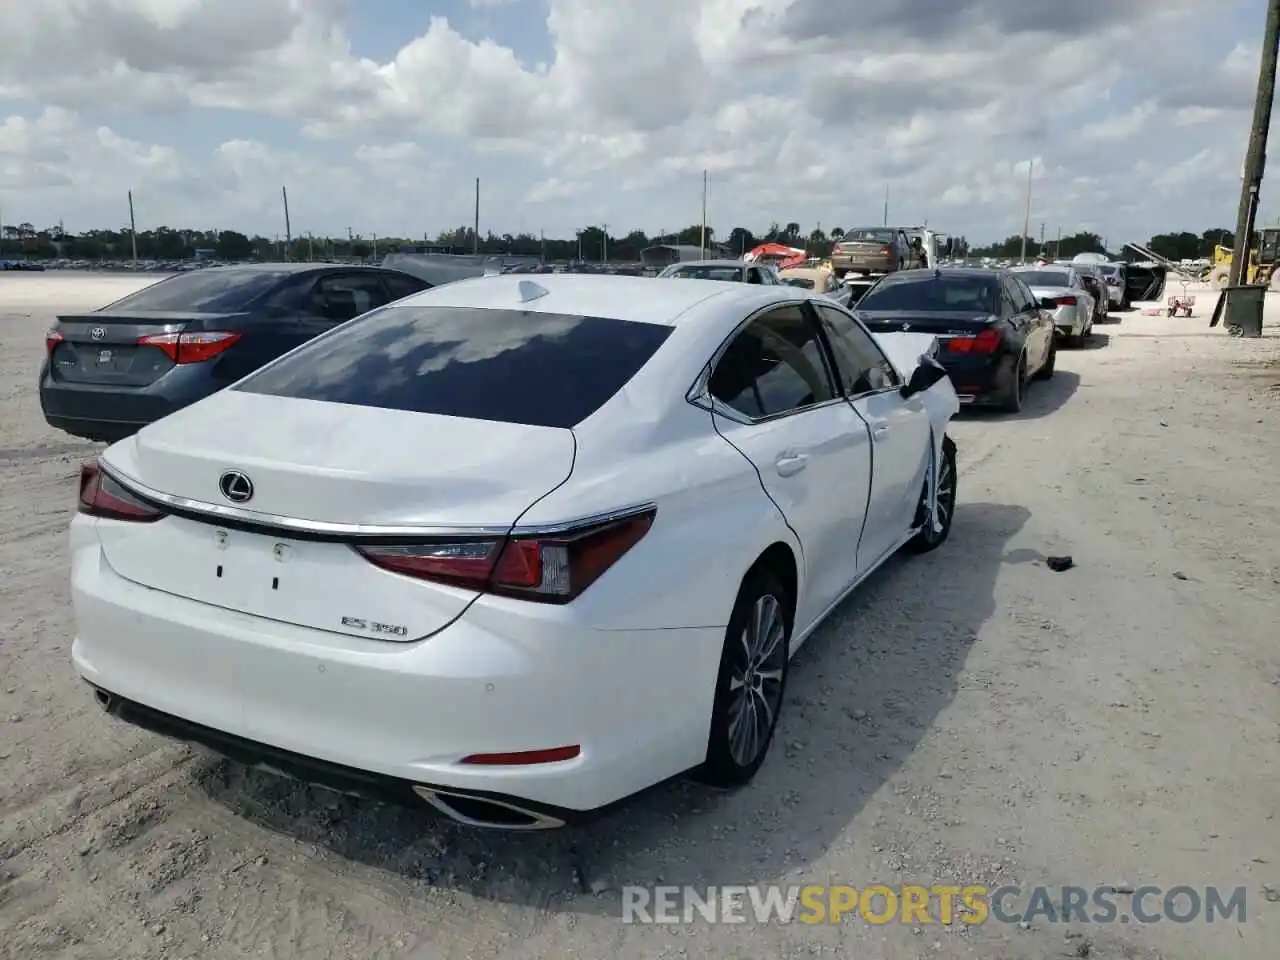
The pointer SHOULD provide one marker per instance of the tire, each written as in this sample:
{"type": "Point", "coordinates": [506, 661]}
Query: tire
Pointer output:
{"type": "Point", "coordinates": [731, 760]}
{"type": "Point", "coordinates": [1013, 401]}
{"type": "Point", "coordinates": [1050, 362]}
{"type": "Point", "coordinates": [928, 538]}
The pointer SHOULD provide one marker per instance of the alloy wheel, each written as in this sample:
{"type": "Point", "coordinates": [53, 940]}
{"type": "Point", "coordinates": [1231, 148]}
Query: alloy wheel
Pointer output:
{"type": "Point", "coordinates": [755, 684]}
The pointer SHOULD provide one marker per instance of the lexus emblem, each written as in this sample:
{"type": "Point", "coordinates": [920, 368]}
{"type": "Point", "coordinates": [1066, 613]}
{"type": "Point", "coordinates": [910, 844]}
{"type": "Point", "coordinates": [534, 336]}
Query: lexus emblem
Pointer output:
{"type": "Point", "coordinates": [236, 487]}
{"type": "Point", "coordinates": [98, 333]}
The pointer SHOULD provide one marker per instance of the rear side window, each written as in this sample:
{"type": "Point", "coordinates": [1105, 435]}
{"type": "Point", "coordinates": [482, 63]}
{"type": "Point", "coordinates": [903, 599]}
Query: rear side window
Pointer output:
{"type": "Point", "coordinates": [204, 291]}
{"type": "Point", "coordinates": [401, 285]}
{"type": "Point", "coordinates": [538, 369]}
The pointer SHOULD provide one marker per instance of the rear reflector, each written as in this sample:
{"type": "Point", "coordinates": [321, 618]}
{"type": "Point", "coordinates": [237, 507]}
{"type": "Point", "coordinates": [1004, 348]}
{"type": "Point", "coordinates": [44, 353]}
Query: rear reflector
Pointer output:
{"type": "Point", "coordinates": [1065, 301]}
{"type": "Point", "coordinates": [190, 347]}
{"type": "Point", "coordinates": [524, 758]}
{"type": "Point", "coordinates": [100, 496]}
{"type": "Point", "coordinates": [986, 342]}
{"type": "Point", "coordinates": [553, 569]}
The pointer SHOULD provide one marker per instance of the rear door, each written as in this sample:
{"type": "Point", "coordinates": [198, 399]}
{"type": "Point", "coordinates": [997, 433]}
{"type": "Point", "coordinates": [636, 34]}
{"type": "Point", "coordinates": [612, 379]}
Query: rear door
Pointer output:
{"type": "Point", "coordinates": [900, 432]}
{"type": "Point", "coordinates": [1039, 323]}
{"type": "Point", "coordinates": [779, 406]}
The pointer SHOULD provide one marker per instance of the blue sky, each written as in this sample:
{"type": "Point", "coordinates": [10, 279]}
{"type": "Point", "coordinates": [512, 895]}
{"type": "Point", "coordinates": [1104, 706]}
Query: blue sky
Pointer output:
{"type": "Point", "coordinates": [380, 114]}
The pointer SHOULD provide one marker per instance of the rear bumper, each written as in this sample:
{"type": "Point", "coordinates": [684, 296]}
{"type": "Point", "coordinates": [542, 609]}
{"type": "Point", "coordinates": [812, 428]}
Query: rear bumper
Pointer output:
{"type": "Point", "coordinates": [979, 381]}
{"type": "Point", "coordinates": [862, 264]}
{"type": "Point", "coordinates": [498, 680]}
{"type": "Point", "coordinates": [111, 413]}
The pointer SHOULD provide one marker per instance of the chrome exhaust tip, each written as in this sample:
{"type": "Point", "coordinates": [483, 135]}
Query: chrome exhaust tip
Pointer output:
{"type": "Point", "coordinates": [485, 813]}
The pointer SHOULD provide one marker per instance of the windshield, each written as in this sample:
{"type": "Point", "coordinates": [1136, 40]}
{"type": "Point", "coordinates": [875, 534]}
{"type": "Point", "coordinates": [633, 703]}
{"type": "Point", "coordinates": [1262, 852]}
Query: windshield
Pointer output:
{"type": "Point", "coordinates": [731, 274]}
{"type": "Point", "coordinates": [204, 291]}
{"type": "Point", "coordinates": [960, 294]}
{"type": "Point", "coordinates": [868, 235]}
{"type": "Point", "coordinates": [1045, 278]}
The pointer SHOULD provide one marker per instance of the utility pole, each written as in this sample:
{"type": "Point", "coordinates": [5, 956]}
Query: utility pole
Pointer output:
{"type": "Point", "coordinates": [1256, 155]}
{"type": "Point", "coordinates": [705, 181]}
{"type": "Point", "coordinates": [1042, 239]}
{"type": "Point", "coordinates": [475, 245]}
{"type": "Point", "coordinates": [1057, 250]}
{"type": "Point", "coordinates": [133, 231]}
{"type": "Point", "coordinates": [288, 229]}
{"type": "Point", "coordinates": [1026, 215]}
{"type": "Point", "coordinates": [311, 247]}
{"type": "Point", "coordinates": [375, 248]}
{"type": "Point", "coordinates": [542, 237]}
{"type": "Point", "coordinates": [886, 205]}
{"type": "Point", "coordinates": [604, 243]}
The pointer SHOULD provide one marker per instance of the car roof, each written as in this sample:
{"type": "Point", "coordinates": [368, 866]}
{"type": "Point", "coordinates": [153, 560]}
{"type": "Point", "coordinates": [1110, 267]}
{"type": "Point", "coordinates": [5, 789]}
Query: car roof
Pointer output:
{"type": "Point", "coordinates": [905, 276]}
{"type": "Point", "coordinates": [641, 299]}
{"type": "Point", "coordinates": [710, 263]}
{"type": "Point", "coordinates": [290, 267]}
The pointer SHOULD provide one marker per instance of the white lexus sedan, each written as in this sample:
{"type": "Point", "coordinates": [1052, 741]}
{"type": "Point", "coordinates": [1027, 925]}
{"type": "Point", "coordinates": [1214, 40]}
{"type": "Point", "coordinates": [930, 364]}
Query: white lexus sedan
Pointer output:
{"type": "Point", "coordinates": [513, 548]}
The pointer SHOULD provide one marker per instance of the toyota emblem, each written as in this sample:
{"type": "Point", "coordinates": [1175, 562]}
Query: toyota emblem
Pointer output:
{"type": "Point", "coordinates": [98, 333]}
{"type": "Point", "coordinates": [236, 487]}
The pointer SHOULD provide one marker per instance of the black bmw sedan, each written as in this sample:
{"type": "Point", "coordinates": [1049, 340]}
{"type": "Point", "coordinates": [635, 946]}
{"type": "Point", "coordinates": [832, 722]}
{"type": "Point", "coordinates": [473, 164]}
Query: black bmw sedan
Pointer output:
{"type": "Point", "coordinates": [995, 335]}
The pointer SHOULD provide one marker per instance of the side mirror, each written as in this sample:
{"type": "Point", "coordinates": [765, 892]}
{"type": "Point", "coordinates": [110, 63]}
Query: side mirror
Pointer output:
{"type": "Point", "coordinates": [1046, 304]}
{"type": "Point", "coordinates": [923, 377]}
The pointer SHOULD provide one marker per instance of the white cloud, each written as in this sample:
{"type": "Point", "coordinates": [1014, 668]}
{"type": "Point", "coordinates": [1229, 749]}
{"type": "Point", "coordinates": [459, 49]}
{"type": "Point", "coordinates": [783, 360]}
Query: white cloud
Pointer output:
{"type": "Point", "coordinates": [798, 114]}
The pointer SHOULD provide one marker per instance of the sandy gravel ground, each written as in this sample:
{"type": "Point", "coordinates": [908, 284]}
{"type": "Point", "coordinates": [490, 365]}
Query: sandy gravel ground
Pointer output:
{"type": "Point", "coordinates": [969, 717]}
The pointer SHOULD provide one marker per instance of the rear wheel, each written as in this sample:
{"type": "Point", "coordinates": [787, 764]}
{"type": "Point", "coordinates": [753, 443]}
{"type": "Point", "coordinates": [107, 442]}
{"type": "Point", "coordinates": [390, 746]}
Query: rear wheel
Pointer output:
{"type": "Point", "coordinates": [933, 535]}
{"type": "Point", "coordinates": [752, 681]}
{"type": "Point", "coordinates": [1013, 399]}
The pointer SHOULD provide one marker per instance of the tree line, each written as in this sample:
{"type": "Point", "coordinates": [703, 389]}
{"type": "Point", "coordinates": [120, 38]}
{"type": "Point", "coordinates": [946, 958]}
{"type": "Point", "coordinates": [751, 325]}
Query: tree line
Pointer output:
{"type": "Point", "coordinates": [25, 241]}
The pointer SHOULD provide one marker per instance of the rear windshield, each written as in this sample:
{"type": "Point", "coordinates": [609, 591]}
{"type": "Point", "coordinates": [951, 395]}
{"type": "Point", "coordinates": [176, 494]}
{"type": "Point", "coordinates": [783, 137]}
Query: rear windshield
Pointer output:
{"type": "Point", "coordinates": [945, 293]}
{"type": "Point", "coordinates": [867, 235]}
{"type": "Point", "coordinates": [1044, 278]}
{"type": "Point", "coordinates": [204, 291]}
{"type": "Point", "coordinates": [538, 369]}
{"type": "Point", "coordinates": [804, 283]}
{"type": "Point", "coordinates": [731, 274]}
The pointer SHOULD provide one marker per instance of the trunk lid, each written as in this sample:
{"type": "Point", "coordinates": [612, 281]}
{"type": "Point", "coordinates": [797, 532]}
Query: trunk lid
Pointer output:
{"type": "Point", "coordinates": [102, 348]}
{"type": "Point", "coordinates": [332, 464]}
{"type": "Point", "coordinates": [939, 323]}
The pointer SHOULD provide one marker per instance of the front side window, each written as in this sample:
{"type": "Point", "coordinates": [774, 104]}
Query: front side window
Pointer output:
{"type": "Point", "coordinates": [774, 366]}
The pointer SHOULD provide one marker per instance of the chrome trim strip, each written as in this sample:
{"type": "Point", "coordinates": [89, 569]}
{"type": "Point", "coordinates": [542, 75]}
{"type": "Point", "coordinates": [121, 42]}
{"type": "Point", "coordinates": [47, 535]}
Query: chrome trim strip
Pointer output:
{"type": "Point", "coordinates": [440, 800]}
{"type": "Point", "coordinates": [217, 511]}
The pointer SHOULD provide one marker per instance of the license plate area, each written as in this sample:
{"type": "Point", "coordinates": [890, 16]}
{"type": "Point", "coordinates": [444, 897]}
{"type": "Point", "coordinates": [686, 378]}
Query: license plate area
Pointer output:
{"type": "Point", "coordinates": [247, 570]}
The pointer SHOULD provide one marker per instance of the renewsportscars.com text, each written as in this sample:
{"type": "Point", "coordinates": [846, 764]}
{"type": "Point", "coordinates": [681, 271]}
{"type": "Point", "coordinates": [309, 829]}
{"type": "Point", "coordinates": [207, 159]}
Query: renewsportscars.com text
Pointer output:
{"type": "Point", "coordinates": [945, 904]}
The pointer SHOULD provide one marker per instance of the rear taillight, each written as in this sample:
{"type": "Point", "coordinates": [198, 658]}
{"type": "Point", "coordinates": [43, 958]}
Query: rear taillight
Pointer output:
{"type": "Point", "coordinates": [886, 250]}
{"type": "Point", "coordinates": [550, 569]}
{"type": "Point", "coordinates": [101, 496]}
{"type": "Point", "coordinates": [190, 347]}
{"type": "Point", "coordinates": [988, 341]}
{"type": "Point", "coordinates": [1065, 301]}
{"type": "Point", "coordinates": [52, 339]}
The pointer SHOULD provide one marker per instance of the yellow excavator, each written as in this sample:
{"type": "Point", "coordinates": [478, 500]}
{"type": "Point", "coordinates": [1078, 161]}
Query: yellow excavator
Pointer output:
{"type": "Point", "coordinates": [1264, 256]}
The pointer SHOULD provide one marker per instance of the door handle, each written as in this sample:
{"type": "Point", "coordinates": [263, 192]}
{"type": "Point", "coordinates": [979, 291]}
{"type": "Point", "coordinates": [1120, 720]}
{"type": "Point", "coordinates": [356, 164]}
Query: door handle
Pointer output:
{"type": "Point", "coordinates": [789, 464]}
{"type": "Point", "coordinates": [879, 429]}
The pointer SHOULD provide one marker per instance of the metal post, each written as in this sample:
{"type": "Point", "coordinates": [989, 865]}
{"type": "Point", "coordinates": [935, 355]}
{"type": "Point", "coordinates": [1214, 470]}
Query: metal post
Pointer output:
{"type": "Point", "coordinates": [886, 204]}
{"type": "Point", "coordinates": [1026, 216]}
{"type": "Point", "coordinates": [475, 247]}
{"type": "Point", "coordinates": [1256, 154]}
{"type": "Point", "coordinates": [133, 231]}
{"type": "Point", "coordinates": [288, 229]}
{"type": "Point", "coordinates": [704, 213]}
{"type": "Point", "coordinates": [604, 243]}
